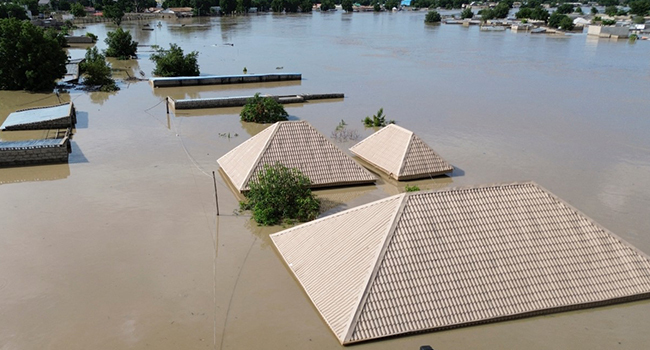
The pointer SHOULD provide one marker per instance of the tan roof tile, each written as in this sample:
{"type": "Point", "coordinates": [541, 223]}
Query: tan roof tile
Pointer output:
{"type": "Point", "coordinates": [295, 145]}
{"type": "Point", "coordinates": [400, 153]}
{"type": "Point", "coordinates": [465, 256]}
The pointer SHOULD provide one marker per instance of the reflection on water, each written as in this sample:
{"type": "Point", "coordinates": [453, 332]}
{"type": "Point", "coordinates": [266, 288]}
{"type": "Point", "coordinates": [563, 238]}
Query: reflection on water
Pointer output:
{"type": "Point", "coordinates": [34, 173]}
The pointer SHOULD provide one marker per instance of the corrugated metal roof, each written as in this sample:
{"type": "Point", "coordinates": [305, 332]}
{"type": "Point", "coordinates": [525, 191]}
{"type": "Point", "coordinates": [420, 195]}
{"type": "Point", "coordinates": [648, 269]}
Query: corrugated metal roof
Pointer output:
{"type": "Point", "coordinates": [400, 153]}
{"type": "Point", "coordinates": [29, 144]}
{"type": "Point", "coordinates": [295, 145]}
{"type": "Point", "coordinates": [37, 115]}
{"type": "Point", "coordinates": [465, 256]}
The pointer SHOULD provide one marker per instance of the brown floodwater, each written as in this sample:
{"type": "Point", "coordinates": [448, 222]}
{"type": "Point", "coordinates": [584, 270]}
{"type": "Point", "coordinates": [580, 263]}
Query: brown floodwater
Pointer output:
{"type": "Point", "coordinates": [122, 249]}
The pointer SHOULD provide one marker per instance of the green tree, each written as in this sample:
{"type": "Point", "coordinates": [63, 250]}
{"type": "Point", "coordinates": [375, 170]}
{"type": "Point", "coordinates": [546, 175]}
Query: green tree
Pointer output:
{"type": "Point", "coordinates": [347, 5]}
{"type": "Point", "coordinates": [611, 10]}
{"type": "Point", "coordinates": [391, 4]}
{"type": "Point", "coordinates": [377, 120]}
{"type": "Point", "coordinates": [432, 17]}
{"type": "Point", "coordinates": [557, 19]}
{"type": "Point", "coordinates": [376, 7]}
{"type": "Point", "coordinates": [228, 6]}
{"type": "Point", "coordinates": [327, 5]}
{"type": "Point", "coordinates": [564, 9]}
{"type": "Point", "coordinates": [77, 10]}
{"type": "Point", "coordinates": [10, 10]}
{"type": "Point", "coordinates": [30, 59]}
{"type": "Point", "coordinates": [260, 109]}
{"type": "Point", "coordinates": [566, 23]}
{"type": "Point", "coordinates": [640, 7]}
{"type": "Point", "coordinates": [467, 13]}
{"type": "Point", "coordinates": [114, 13]}
{"type": "Point", "coordinates": [638, 20]}
{"type": "Point", "coordinates": [96, 71]}
{"type": "Point", "coordinates": [608, 3]}
{"type": "Point", "coordinates": [277, 5]}
{"type": "Point", "coordinates": [173, 63]}
{"type": "Point", "coordinates": [306, 6]}
{"type": "Point", "coordinates": [120, 44]}
{"type": "Point", "coordinates": [280, 194]}
{"type": "Point", "coordinates": [594, 11]}
{"type": "Point", "coordinates": [32, 5]}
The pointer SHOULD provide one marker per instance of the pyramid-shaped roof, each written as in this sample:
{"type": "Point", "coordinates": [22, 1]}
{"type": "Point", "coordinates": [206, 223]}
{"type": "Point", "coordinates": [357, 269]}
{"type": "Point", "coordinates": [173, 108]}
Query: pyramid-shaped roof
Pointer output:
{"type": "Point", "coordinates": [294, 144]}
{"type": "Point", "coordinates": [400, 153]}
{"type": "Point", "coordinates": [426, 261]}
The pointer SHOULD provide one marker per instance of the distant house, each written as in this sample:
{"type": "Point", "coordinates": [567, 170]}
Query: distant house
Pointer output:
{"type": "Point", "coordinates": [180, 11]}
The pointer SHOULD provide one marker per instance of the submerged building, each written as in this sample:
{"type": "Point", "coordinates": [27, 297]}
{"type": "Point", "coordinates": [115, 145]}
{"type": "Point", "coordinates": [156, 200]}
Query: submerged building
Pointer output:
{"type": "Point", "coordinates": [426, 261]}
{"type": "Point", "coordinates": [51, 117]}
{"type": "Point", "coordinates": [294, 145]}
{"type": "Point", "coordinates": [401, 154]}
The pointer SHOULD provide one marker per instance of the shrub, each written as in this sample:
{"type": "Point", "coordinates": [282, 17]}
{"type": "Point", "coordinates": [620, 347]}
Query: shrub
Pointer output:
{"type": "Point", "coordinates": [611, 10]}
{"type": "Point", "coordinates": [432, 17]}
{"type": "Point", "coordinates": [173, 63]}
{"type": "Point", "coordinates": [30, 59]}
{"type": "Point", "coordinates": [639, 20]}
{"type": "Point", "coordinates": [280, 194]}
{"type": "Point", "coordinates": [92, 36]}
{"type": "Point", "coordinates": [608, 22]}
{"type": "Point", "coordinates": [413, 188]}
{"type": "Point", "coordinates": [347, 5]}
{"type": "Point", "coordinates": [263, 110]}
{"type": "Point", "coordinates": [467, 13]}
{"type": "Point", "coordinates": [96, 71]}
{"type": "Point", "coordinates": [120, 44]}
{"type": "Point", "coordinates": [377, 120]}
{"type": "Point", "coordinates": [327, 5]}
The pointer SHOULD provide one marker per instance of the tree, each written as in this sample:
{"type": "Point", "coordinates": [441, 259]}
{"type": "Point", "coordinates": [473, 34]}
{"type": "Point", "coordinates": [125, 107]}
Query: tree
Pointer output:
{"type": "Point", "coordinates": [10, 10]}
{"type": "Point", "coordinates": [377, 120]}
{"type": "Point", "coordinates": [30, 59]}
{"type": "Point", "coordinates": [432, 17]}
{"type": "Point", "coordinates": [228, 6]}
{"type": "Point", "coordinates": [260, 109]}
{"type": "Point", "coordinates": [594, 11]}
{"type": "Point", "coordinates": [564, 9]}
{"type": "Point", "coordinates": [114, 12]}
{"type": "Point", "coordinates": [327, 5]}
{"type": "Point", "coordinates": [611, 10]}
{"type": "Point", "coordinates": [391, 4]}
{"type": "Point", "coordinates": [96, 71]}
{"type": "Point", "coordinates": [640, 7]}
{"type": "Point", "coordinates": [566, 23]}
{"type": "Point", "coordinates": [347, 5]}
{"type": "Point", "coordinates": [280, 194]}
{"type": "Point", "coordinates": [376, 7]}
{"type": "Point", "coordinates": [120, 44]}
{"type": "Point", "coordinates": [306, 6]}
{"type": "Point", "coordinates": [467, 13]}
{"type": "Point", "coordinates": [77, 10]}
{"type": "Point", "coordinates": [557, 20]}
{"type": "Point", "coordinates": [173, 63]}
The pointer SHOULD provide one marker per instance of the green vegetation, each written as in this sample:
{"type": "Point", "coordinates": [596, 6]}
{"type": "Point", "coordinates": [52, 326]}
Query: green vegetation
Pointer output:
{"type": "Point", "coordinates": [347, 5]}
{"type": "Point", "coordinates": [120, 44]}
{"type": "Point", "coordinates": [260, 109]}
{"type": "Point", "coordinates": [327, 5]}
{"type": "Point", "coordinates": [92, 36]}
{"type": "Point", "coordinates": [280, 194]}
{"type": "Point", "coordinates": [594, 11]}
{"type": "Point", "coordinates": [564, 9]}
{"type": "Point", "coordinates": [77, 10]}
{"type": "Point", "coordinates": [639, 7]}
{"type": "Point", "coordinates": [537, 13]}
{"type": "Point", "coordinates": [377, 120]}
{"type": "Point", "coordinates": [391, 4]}
{"type": "Point", "coordinates": [96, 71]}
{"type": "Point", "coordinates": [11, 10]}
{"type": "Point", "coordinates": [114, 12]}
{"type": "Point", "coordinates": [413, 188]}
{"type": "Point", "coordinates": [467, 13]}
{"type": "Point", "coordinates": [306, 6]}
{"type": "Point", "coordinates": [608, 22]}
{"type": "Point", "coordinates": [499, 11]}
{"type": "Point", "coordinates": [30, 59]}
{"type": "Point", "coordinates": [611, 10]}
{"type": "Point", "coordinates": [558, 20]}
{"type": "Point", "coordinates": [341, 133]}
{"type": "Point", "coordinates": [432, 17]}
{"type": "Point", "coordinates": [173, 63]}
{"type": "Point", "coordinates": [638, 20]}
{"type": "Point", "coordinates": [376, 7]}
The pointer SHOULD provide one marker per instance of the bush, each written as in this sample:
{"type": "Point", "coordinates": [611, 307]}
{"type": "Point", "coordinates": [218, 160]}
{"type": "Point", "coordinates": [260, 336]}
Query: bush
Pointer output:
{"type": "Point", "coordinates": [172, 62]}
{"type": "Point", "coordinates": [611, 10]}
{"type": "Point", "coordinates": [432, 17]}
{"type": "Point", "coordinates": [608, 22]}
{"type": "Point", "coordinates": [639, 20]}
{"type": "Point", "coordinates": [120, 44]}
{"type": "Point", "coordinates": [263, 110]}
{"type": "Point", "coordinates": [564, 9]}
{"type": "Point", "coordinates": [327, 5]}
{"type": "Point", "coordinates": [280, 194]}
{"type": "Point", "coordinates": [413, 188]}
{"type": "Point", "coordinates": [96, 71]}
{"type": "Point", "coordinates": [377, 120]}
{"type": "Point", "coordinates": [467, 13]}
{"type": "Point", "coordinates": [30, 59]}
{"type": "Point", "coordinates": [347, 5]}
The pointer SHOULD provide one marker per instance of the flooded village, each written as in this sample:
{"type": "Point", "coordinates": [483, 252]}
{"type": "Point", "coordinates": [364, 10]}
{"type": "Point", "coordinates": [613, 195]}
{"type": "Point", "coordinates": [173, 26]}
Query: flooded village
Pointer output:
{"type": "Point", "coordinates": [506, 207]}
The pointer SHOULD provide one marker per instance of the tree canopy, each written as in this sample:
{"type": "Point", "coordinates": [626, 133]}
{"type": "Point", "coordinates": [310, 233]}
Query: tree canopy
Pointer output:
{"type": "Point", "coordinates": [558, 20]}
{"type": "Point", "coordinates": [347, 5]}
{"type": "Point", "coordinates": [281, 194]}
{"type": "Point", "coordinates": [96, 71]}
{"type": "Point", "coordinates": [173, 63]}
{"type": "Point", "coordinates": [30, 59]}
{"type": "Point", "coordinates": [260, 109]}
{"type": "Point", "coordinates": [120, 44]}
{"type": "Point", "coordinates": [467, 13]}
{"type": "Point", "coordinates": [432, 17]}
{"type": "Point", "coordinates": [11, 10]}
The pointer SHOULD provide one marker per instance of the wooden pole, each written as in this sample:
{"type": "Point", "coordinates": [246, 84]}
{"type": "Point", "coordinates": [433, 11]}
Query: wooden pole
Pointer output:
{"type": "Point", "coordinates": [167, 104]}
{"type": "Point", "coordinates": [216, 193]}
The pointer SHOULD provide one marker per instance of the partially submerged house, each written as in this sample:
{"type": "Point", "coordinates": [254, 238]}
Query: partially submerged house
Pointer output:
{"type": "Point", "coordinates": [51, 117]}
{"type": "Point", "coordinates": [32, 152]}
{"type": "Point", "coordinates": [401, 154]}
{"type": "Point", "coordinates": [294, 144]}
{"type": "Point", "coordinates": [426, 261]}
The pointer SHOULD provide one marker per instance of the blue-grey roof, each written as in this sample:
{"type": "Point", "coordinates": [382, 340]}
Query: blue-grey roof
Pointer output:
{"type": "Point", "coordinates": [37, 115]}
{"type": "Point", "coordinates": [30, 144]}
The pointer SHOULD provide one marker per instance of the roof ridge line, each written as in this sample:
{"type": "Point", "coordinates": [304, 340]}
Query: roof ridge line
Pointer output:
{"type": "Point", "coordinates": [406, 152]}
{"type": "Point", "coordinates": [259, 155]}
{"type": "Point", "coordinates": [373, 274]}
{"type": "Point", "coordinates": [43, 107]}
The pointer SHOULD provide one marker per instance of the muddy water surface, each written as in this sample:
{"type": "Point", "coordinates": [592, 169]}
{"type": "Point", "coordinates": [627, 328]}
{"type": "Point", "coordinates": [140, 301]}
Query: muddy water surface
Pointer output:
{"type": "Point", "coordinates": [121, 248]}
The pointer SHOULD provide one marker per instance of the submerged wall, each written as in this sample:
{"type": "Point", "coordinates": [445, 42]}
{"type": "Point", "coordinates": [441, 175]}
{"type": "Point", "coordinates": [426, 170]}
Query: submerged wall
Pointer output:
{"type": "Point", "coordinates": [223, 79]}
{"type": "Point", "coordinates": [220, 102]}
{"type": "Point", "coordinates": [17, 153]}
